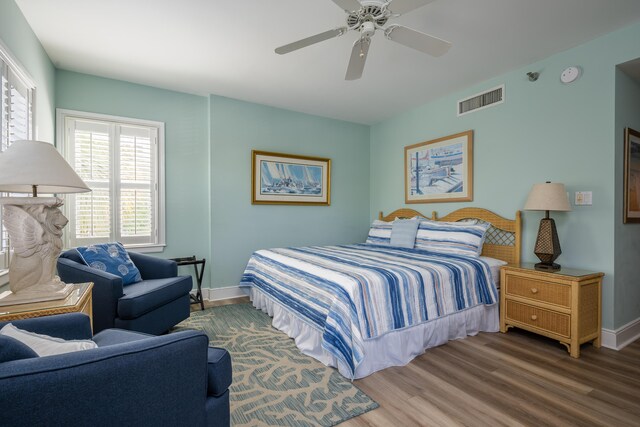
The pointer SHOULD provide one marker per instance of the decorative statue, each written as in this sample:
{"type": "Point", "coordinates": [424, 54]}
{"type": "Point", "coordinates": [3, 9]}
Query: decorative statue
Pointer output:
{"type": "Point", "coordinates": [35, 230]}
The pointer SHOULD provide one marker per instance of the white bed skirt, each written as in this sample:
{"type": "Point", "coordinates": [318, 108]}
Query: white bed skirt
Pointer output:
{"type": "Point", "coordinates": [396, 348]}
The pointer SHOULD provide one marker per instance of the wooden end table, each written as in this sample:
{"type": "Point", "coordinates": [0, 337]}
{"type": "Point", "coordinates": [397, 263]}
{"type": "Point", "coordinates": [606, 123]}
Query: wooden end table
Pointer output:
{"type": "Point", "coordinates": [78, 301]}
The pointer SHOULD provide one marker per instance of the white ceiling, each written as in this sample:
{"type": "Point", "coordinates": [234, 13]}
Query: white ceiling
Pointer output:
{"type": "Point", "coordinates": [225, 47]}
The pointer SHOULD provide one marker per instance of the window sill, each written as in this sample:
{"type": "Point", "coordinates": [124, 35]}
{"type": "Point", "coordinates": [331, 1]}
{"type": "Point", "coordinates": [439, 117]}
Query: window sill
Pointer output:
{"type": "Point", "coordinates": [146, 248]}
{"type": "Point", "coordinates": [143, 248]}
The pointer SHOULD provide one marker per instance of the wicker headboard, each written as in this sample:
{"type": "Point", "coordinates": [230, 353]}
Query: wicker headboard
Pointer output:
{"type": "Point", "coordinates": [503, 236]}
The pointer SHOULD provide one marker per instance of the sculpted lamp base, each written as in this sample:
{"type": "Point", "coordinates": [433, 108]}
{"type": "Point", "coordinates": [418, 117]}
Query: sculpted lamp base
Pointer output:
{"type": "Point", "coordinates": [35, 229]}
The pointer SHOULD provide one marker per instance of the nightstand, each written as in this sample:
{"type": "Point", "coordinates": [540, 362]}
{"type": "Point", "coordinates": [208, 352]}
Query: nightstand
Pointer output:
{"type": "Point", "coordinates": [565, 305]}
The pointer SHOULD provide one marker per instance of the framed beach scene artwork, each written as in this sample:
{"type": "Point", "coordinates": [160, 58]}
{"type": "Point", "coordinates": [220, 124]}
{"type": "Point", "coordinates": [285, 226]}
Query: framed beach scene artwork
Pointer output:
{"type": "Point", "coordinates": [440, 170]}
{"type": "Point", "coordinates": [631, 176]}
{"type": "Point", "coordinates": [287, 179]}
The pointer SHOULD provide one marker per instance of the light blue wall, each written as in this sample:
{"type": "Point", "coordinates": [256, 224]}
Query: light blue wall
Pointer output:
{"type": "Point", "coordinates": [186, 147]}
{"type": "Point", "coordinates": [16, 34]}
{"type": "Point", "coordinates": [208, 156]}
{"type": "Point", "coordinates": [544, 131]}
{"type": "Point", "coordinates": [238, 227]}
{"type": "Point", "coordinates": [627, 236]}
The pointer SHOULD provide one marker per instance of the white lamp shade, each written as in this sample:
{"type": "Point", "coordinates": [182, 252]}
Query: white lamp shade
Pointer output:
{"type": "Point", "coordinates": [550, 196]}
{"type": "Point", "coordinates": [28, 163]}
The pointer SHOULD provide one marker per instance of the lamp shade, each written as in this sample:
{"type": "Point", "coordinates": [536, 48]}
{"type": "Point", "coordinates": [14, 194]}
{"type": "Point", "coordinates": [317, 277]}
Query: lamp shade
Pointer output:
{"type": "Point", "coordinates": [28, 163]}
{"type": "Point", "coordinates": [550, 196]}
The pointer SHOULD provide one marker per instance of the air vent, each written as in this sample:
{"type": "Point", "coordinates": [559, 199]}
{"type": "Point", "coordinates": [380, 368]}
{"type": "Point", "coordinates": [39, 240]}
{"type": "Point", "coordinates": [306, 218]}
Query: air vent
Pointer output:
{"type": "Point", "coordinates": [482, 100]}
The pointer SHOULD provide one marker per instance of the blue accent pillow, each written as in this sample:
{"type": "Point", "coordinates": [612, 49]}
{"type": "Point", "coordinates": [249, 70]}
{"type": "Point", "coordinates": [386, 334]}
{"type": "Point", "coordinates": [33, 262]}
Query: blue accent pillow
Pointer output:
{"type": "Point", "coordinates": [112, 258]}
{"type": "Point", "coordinates": [12, 349]}
{"type": "Point", "coordinates": [403, 232]}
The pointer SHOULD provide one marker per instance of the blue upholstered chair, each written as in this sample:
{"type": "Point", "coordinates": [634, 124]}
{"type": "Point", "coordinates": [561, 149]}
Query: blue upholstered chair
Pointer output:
{"type": "Point", "coordinates": [131, 379]}
{"type": "Point", "coordinates": [154, 305]}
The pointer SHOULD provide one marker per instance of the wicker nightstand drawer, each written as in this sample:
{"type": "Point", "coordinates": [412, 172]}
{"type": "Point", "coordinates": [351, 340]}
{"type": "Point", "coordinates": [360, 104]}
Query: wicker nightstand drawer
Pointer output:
{"type": "Point", "coordinates": [538, 290]}
{"type": "Point", "coordinates": [551, 321]}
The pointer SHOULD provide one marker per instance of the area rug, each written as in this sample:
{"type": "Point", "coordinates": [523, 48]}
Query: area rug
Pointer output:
{"type": "Point", "coordinates": [273, 382]}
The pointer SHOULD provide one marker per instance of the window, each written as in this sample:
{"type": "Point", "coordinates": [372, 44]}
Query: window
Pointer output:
{"type": "Point", "coordinates": [17, 93]}
{"type": "Point", "coordinates": [120, 160]}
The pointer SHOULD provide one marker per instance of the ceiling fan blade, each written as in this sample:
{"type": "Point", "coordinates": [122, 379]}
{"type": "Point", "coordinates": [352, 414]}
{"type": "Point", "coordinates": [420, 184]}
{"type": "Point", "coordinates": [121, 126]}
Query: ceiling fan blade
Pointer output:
{"type": "Point", "coordinates": [311, 40]}
{"type": "Point", "coordinates": [400, 7]}
{"type": "Point", "coordinates": [415, 39]}
{"type": "Point", "coordinates": [358, 59]}
{"type": "Point", "coordinates": [348, 5]}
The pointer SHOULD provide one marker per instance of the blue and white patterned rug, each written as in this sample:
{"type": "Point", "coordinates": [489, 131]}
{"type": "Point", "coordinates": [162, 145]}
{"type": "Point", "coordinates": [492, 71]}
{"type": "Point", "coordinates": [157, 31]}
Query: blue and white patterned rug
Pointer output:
{"type": "Point", "coordinates": [273, 382]}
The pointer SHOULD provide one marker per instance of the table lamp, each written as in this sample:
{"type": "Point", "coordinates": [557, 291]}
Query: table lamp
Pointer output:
{"type": "Point", "coordinates": [550, 196]}
{"type": "Point", "coordinates": [35, 223]}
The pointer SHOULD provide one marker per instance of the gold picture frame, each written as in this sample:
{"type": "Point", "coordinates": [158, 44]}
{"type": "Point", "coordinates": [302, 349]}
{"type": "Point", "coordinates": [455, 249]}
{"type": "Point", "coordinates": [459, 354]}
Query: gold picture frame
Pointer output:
{"type": "Point", "coordinates": [289, 179]}
{"type": "Point", "coordinates": [631, 176]}
{"type": "Point", "coordinates": [440, 170]}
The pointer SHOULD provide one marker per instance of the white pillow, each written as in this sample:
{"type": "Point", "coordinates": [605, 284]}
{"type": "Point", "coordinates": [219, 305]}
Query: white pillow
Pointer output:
{"type": "Point", "coordinates": [45, 345]}
{"type": "Point", "coordinates": [494, 266]}
{"type": "Point", "coordinates": [468, 221]}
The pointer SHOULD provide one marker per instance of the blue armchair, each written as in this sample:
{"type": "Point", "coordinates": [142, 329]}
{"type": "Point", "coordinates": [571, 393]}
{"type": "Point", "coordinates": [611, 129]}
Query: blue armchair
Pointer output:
{"type": "Point", "coordinates": [154, 305]}
{"type": "Point", "coordinates": [130, 379]}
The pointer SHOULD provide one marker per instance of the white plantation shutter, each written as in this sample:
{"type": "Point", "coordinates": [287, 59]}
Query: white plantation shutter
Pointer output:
{"type": "Point", "coordinates": [16, 121]}
{"type": "Point", "coordinates": [119, 161]}
{"type": "Point", "coordinates": [137, 192]}
{"type": "Point", "coordinates": [5, 106]}
{"type": "Point", "coordinates": [4, 143]}
{"type": "Point", "coordinates": [19, 109]}
{"type": "Point", "coordinates": [90, 156]}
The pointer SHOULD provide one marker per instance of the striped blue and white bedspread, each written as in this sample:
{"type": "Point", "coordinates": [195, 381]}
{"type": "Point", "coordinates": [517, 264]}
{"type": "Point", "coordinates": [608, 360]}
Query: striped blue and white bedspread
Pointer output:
{"type": "Point", "coordinates": [357, 292]}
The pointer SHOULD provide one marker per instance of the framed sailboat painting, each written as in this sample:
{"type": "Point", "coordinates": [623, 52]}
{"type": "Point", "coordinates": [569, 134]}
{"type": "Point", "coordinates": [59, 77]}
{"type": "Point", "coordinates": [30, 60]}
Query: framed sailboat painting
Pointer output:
{"type": "Point", "coordinates": [287, 179]}
{"type": "Point", "coordinates": [440, 170]}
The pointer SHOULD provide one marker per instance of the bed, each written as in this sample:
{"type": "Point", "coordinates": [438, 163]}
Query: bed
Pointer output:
{"type": "Point", "coordinates": [364, 307]}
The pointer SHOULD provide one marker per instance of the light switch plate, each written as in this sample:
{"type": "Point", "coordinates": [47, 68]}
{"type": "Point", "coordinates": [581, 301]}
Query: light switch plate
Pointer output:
{"type": "Point", "coordinates": [584, 198]}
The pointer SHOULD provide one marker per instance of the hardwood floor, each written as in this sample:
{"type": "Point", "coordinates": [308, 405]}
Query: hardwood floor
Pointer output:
{"type": "Point", "coordinates": [513, 379]}
{"type": "Point", "coordinates": [509, 379]}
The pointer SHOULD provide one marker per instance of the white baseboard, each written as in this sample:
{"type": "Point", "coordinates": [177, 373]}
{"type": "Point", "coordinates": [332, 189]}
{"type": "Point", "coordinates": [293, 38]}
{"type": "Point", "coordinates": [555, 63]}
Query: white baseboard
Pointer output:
{"type": "Point", "coordinates": [215, 294]}
{"type": "Point", "coordinates": [621, 337]}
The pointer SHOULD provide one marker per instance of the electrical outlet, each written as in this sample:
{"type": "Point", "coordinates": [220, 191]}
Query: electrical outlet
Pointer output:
{"type": "Point", "coordinates": [584, 198]}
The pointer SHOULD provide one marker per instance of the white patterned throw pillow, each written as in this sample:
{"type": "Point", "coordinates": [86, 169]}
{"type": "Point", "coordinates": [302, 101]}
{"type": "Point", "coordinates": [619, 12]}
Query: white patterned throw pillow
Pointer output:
{"type": "Point", "coordinates": [44, 345]}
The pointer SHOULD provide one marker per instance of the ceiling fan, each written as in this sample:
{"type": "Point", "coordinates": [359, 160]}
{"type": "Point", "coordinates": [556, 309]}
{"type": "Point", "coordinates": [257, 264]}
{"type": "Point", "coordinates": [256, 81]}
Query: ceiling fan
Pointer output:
{"type": "Point", "coordinates": [368, 16]}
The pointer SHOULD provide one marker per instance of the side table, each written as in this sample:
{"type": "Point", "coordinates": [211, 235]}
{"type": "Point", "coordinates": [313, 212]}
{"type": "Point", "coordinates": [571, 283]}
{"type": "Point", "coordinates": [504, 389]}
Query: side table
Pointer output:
{"type": "Point", "coordinates": [78, 301]}
{"type": "Point", "coordinates": [565, 305]}
{"type": "Point", "coordinates": [192, 260]}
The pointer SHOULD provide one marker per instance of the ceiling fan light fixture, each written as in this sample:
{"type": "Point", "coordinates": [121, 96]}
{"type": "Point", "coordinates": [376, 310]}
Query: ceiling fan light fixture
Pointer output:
{"type": "Point", "coordinates": [367, 29]}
